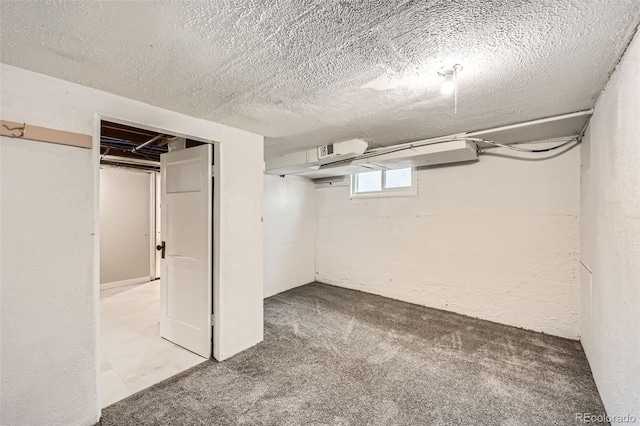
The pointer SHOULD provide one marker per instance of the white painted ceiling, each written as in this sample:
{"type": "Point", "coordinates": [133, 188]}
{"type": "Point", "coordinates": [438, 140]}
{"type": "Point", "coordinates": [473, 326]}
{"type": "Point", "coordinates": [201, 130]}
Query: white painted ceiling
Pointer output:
{"type": "Point", "coordinates": [304, 73]}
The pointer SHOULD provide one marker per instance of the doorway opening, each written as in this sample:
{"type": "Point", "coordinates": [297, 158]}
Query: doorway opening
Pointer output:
{"type": "Point", "coordinates": [155, 264]}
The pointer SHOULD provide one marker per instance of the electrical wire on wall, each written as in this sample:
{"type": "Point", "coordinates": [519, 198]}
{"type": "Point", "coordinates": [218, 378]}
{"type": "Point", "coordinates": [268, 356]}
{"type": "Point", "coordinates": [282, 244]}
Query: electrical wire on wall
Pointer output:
{"type": "Point", "coordinates": [576, 139]}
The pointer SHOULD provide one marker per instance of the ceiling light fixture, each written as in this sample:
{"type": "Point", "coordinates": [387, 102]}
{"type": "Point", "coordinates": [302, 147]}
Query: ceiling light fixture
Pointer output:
{"type": "Point", "coordinates": [450, 83]}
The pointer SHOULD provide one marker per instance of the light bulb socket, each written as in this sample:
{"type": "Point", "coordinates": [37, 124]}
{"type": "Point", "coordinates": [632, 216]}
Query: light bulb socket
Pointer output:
{"type": "Point", "coordinates": [449, 70]}
{"type": "Point", "coordinates": [450, 74]}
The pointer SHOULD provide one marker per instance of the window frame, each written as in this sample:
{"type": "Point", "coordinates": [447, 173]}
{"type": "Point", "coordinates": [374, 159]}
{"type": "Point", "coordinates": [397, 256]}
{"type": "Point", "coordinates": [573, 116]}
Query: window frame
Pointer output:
{"type": "Point", "coordinates": [406, 191]}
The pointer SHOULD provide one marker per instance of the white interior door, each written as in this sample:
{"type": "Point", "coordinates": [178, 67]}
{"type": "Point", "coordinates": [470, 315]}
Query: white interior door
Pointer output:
{"type": "Point", "coordinates": [186, 279]}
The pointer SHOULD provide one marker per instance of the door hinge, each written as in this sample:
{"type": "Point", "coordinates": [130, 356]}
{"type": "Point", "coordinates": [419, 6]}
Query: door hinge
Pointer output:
{"type": "Point", "coordinates": [213, 171]}
{"type": "Point", "coordinates": [213, 319]}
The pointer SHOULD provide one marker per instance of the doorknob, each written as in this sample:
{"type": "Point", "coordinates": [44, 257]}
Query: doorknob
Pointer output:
{"type": "Point", "coordinates": [161, 247]}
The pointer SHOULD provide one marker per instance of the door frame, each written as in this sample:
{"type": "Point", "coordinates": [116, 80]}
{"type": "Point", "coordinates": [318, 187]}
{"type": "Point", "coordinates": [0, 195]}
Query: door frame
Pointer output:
{"type": "Point", "coordinates": [156, 214]}
{"type": "Point", "coordinates": [215, 291]}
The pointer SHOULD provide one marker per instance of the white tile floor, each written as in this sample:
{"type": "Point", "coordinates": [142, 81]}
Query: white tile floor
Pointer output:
{"type": "Point", "coordinates": [133, 355]}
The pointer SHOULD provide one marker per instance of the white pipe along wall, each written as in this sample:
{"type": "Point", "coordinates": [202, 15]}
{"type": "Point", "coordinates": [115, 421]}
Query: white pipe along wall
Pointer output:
{"type": "Point", "coordinates": [610, 239]}
{"type": "Point", "coordinates": [497, 240]}
{"type": "Point", "coordinates": [49, 246]}
{"type": "Point", "coordinates": [289, 233]}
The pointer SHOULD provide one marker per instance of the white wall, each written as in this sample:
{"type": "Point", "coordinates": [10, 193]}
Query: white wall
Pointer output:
{"type": "Point", "coordinates": [496, 240]}
{"type": "Point", "coordinates": [125, 224]}
{"type": "Point", "coordinates": [49, 250]}
{"type": "Point", "coordinates": [238, 260]}
{"type": "Point", "coordinates": [289, 233]}
{"type": "Point", "coordinates": [48, 325]}
{"type": "Point", "coordinates": [610, 239]}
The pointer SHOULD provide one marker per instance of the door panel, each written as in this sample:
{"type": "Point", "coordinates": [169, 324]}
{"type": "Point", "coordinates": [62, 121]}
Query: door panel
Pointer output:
{"type": "Point", "coordinates": [186, 279]}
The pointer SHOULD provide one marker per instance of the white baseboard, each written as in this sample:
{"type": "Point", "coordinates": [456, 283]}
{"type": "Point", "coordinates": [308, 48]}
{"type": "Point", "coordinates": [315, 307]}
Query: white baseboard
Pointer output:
{"type": "Point", "coordinates": [130, 281]}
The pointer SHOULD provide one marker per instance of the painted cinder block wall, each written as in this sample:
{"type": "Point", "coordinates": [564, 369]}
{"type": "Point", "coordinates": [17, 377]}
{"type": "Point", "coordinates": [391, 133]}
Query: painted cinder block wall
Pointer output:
{"type": "Point", "coordinates": [125, 224]}
{"type": "Point", "coordinates": [610, 239]}
{"type": "Point", "coordinates": [49, 249]}
{"type": "Point", "coordinates": [289, 233]}
{"type": "Point", "coordinates": [497, 239]}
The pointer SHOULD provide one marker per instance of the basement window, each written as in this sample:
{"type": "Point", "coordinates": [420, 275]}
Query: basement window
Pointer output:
{"type": "Point", "coordinates": [384, 183]}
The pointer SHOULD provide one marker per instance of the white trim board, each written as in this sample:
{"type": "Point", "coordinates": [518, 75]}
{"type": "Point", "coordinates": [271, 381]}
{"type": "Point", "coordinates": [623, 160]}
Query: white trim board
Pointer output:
{"type": "Point", "coordinates": [130, 281]}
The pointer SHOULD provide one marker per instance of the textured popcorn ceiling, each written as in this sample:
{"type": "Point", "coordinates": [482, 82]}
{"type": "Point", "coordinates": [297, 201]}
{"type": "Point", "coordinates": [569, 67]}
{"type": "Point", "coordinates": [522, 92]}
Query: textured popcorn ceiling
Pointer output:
{"type": "Point", "coordinates": [304, 73]}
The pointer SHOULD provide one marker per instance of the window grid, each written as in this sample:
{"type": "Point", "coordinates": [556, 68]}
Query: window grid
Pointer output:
{"type": "Point", "coordinates": [383, 191]}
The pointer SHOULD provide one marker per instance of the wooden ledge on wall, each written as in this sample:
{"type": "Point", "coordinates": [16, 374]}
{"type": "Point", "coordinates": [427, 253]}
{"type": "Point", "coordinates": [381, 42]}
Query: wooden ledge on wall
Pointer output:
{"type": "Point", "coordinates": [43, 134]}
